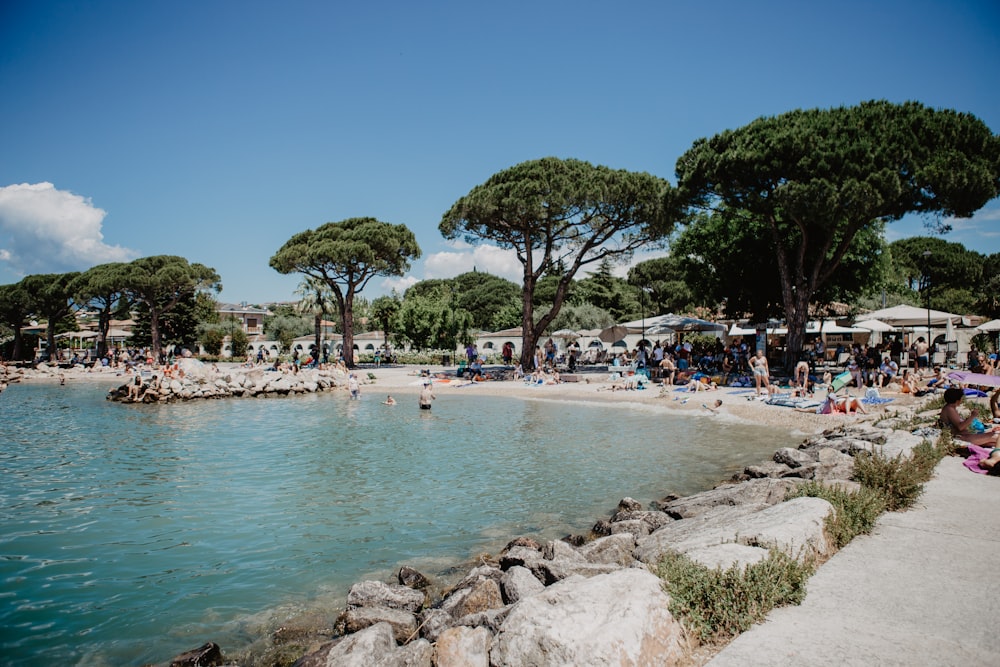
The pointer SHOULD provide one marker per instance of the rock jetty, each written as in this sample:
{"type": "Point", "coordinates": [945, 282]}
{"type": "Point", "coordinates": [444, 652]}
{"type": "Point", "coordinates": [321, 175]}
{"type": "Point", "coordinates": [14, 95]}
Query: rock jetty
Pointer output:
{"type": "Point", "coordinates": [192, 380]}
{"type": "Point", "coordinates": [591, 599]}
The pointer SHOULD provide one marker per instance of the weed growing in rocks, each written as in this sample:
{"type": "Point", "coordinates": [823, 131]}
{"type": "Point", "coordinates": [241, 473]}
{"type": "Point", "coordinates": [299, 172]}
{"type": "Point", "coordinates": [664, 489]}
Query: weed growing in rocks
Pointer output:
{"type": "Point", "coordinates": [716, 605]}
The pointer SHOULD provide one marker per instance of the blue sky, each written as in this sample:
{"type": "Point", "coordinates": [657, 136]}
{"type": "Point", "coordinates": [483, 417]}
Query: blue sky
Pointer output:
{"type": "Point", "coordinates": [215, 130]}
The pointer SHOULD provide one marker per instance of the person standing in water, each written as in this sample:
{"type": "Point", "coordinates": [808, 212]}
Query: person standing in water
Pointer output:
{"type": "Point", "coordinates": [426, 396]}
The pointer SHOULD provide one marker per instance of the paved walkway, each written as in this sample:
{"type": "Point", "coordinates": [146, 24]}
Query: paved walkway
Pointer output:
{"type": "Point", "coordinates": [922, 589]}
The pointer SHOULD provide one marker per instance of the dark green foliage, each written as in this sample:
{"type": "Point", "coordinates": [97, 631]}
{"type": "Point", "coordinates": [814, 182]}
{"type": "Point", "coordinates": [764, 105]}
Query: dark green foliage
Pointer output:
{"type": "Point", "coordinates": [564, 213]}
{"type": "Point", "coordinates": [813, 180]}
{"type": "Point", "coordinates": [346, 255]}
{"type": "Point", "coordinates": [715, 605]}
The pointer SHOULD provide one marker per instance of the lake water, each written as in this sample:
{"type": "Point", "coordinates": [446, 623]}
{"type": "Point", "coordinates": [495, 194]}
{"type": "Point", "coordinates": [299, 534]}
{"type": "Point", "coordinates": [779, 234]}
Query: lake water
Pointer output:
{"type": "Point", "coordinates": [131, 533]}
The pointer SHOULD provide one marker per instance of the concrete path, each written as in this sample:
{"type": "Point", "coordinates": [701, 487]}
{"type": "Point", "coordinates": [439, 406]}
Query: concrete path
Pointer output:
{"type": "Point", "coordinates": [922, 589]}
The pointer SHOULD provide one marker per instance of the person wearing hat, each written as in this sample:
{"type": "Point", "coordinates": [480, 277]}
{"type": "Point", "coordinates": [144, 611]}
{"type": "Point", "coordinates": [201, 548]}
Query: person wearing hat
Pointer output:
{"type": "Point", "coordinates": [426, 396]}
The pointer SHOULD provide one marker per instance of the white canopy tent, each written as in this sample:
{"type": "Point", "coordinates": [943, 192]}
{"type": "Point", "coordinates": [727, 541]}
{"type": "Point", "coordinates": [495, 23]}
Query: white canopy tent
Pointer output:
{"type": "Point", "coordinates": [911, 316]}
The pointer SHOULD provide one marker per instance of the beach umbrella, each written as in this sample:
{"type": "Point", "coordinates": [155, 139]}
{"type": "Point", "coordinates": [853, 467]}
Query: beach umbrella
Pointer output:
{"type": "Point", "coordinates": [949, 331]}
{"type": "Point", "coordinates": [992, 325]}
{"type": "Point", "coordinates": [614, 333]}
{"type": "Point", "coordinates": [977, 379]}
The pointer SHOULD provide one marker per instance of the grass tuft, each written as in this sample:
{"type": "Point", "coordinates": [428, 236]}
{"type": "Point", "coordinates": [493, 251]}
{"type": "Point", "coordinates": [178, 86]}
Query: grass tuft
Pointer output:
{"type": "Point", "coordinates": [716, 605]}
{"type": "Point", "coordinates": [855, 512]}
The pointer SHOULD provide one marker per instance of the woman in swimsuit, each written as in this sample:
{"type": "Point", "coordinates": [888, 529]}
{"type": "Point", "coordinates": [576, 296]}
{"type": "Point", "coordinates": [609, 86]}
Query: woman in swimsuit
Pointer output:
{"type": "Point", "coordinates": [962, 427]}
{"type": "Point", "coordinates": [761, 373]}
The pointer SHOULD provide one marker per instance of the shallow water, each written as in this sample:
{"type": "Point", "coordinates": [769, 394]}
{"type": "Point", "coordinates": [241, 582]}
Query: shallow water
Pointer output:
{"type": "Point", "coordinates": [129, 534]}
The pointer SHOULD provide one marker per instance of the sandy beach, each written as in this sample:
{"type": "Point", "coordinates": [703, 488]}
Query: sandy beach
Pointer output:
{"type": "Point", "coordinates": [738, 403]}
{"type": "Point", "coordinates": [404, 383]}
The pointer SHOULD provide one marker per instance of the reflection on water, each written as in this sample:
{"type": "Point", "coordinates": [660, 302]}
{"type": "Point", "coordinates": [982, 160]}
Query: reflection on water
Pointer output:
{"type": "Point", "coordinates": [129, 534]}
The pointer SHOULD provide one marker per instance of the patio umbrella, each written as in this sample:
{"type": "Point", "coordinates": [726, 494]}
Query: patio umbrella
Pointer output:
{"type": "Point", "coordinates": [908, 316]}
{"type": "Point", "coordinates": [992, 325]}
{"type": "Point", "coordinates": [614, 333]}
{"type": "Point", "coordinates": [949, 331]}
{"type": "Point", "coordinates": [565, 333]}
{"type": "Point", "coordinates": [977, 379]}
{"type": "Point", "coordinates": [875, 325]}
{"type": "Point", "coordinates": [658, 330]}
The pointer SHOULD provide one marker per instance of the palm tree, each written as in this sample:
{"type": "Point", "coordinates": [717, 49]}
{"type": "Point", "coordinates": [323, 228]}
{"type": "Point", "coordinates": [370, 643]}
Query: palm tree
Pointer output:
{"type": "Point", "coordinates": [316, 297]}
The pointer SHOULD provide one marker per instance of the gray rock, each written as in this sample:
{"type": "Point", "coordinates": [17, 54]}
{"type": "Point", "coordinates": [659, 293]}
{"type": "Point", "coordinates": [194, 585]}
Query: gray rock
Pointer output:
{"type": "Point", "coordinates": [654, 518]}
{"type": "Point", "coordinates": [635, 527]}
{"type": "Point", "coordinates": [404, 623]}
{"type": "Point", "coordinates": [629, 505]}
{"type": "Point", "coordinates": [418, 653]}
{"type": "Point", "coordinates": [795, 527]}
{"type": "Point", "coordinates": [766, 469]}
{"type": "Point", "coordinates": [479, 596]}
{"type": "Point", "coordinates": [463, 647]}
{"type": "Point", "coordinates": [518, 582]}
{"type": "Point", "coordinates": [491, 619]}
{"type": "Point", "coordinates": [433, 622]}
{"type": "Point", "coordinates": [765, 490]}
{"type": "Point", "coordinates": [725, 556]}
{"type": "Point", "coordinates": [411, 578]}
{"type": "Point", "coordinates": [378, 594]}
{"type": "Point", "coordinates": [522, 556]}
{"type": "Point", "coordinates": [559, 550]}
{"type": "Point", "coordinates": [362, 649]}
{"type": "Point", "coordinates": [551, 571]}
{"type": "Point", "coordinates": [615, 550]}
{"type": "Point", "coordinates": [615, 619]}
{"type": "Point", "coordinates": [794, 458]}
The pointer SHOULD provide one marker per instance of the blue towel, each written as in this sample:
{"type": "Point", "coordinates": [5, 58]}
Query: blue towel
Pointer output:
{"type": "Point", "coordinates": [876, 401]}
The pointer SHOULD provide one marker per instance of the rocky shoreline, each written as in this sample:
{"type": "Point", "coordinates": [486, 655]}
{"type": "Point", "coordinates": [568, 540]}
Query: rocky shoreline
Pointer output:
{"type": "Point", "coordinates": [584, 599]}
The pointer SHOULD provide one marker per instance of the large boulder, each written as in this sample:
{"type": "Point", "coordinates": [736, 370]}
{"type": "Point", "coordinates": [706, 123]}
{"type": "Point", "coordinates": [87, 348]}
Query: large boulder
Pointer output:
{"type": "Point", "coordinates": [796, 527]}
{"type": "Point", "coordinates": [766, 491]}
{"type": "Point", "coordinates": [463, 647]}
{"type": "Point", "coordinates": [378, 594]}
{"type": "Point", "coordinates": [619, 618]}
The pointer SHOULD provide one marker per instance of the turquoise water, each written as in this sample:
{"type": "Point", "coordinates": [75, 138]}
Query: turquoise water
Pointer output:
{"type": "Point", "coordinates": [131, 533]}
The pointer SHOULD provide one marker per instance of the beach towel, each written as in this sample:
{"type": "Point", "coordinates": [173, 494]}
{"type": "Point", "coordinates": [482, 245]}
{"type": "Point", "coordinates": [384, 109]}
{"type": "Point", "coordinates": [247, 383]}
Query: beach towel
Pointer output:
{"type": "Point", "coordinates": [976, 454]}
{"type": "Point", "coordinates": [875, 400]}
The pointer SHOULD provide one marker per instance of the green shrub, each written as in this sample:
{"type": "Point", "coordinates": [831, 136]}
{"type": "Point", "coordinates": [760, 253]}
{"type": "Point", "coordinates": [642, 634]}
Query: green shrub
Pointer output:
{"type": "Point", "coordinates": [899, 480]}
{"type": "Point", "coordinates": [855, 511]}
{"type": "Point", "coordinates": [715, 605]}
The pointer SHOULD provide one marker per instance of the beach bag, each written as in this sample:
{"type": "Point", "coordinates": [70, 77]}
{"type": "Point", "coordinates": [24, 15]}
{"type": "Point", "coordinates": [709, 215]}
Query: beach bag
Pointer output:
{"type": "Point", "coordinates": [977, 426]}
{"type": "Point", "coordinates": [872, 392]}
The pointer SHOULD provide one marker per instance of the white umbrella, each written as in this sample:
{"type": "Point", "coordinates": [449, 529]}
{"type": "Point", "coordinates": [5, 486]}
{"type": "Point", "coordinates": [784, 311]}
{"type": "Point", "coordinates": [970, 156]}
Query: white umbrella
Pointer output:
{"type": "Point", "coordinates": [658, 330]}
{"type": "Point", "coordinates": [992, 325]}
{"type": "Point", "coordinates": [874, 325]}
{"type": "Point", "coordinates": [565, 333]}
{"type": "Point", "coordinates": [949, 331]}
{"type": "Point", "coordinates": [908, 316]}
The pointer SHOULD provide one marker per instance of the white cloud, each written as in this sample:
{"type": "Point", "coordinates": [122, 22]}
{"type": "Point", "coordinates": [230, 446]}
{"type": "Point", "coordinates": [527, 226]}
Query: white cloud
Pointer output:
{"type": "Point", "coordinates": [45, 230]}
{"type": "Point", "coordinates": [487, 258]}
{"type": "Point", "coordinates": [400, 284]}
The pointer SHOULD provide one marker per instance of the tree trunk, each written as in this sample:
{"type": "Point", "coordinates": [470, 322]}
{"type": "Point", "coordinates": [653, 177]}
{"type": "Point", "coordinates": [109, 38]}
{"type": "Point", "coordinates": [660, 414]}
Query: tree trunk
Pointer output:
{"type": "Point", "coordinates": [103, 325]}
{"type": "Point", "coordinates": [154, 330]}
{"type": "Point", "coordinates": [347, 318]}
{"type": "Point", "coordinates": [529, 337]}
{"type": "Point", "coordinates": [318, 331]}
{"type": "Point", "coordinates": [17, 352]}
{"type": "Point", "coordinates": [798, 315]}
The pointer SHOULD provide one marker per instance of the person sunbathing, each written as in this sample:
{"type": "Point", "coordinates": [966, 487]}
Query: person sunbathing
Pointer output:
{"type": "Point", "coordinates": [968, 429]}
